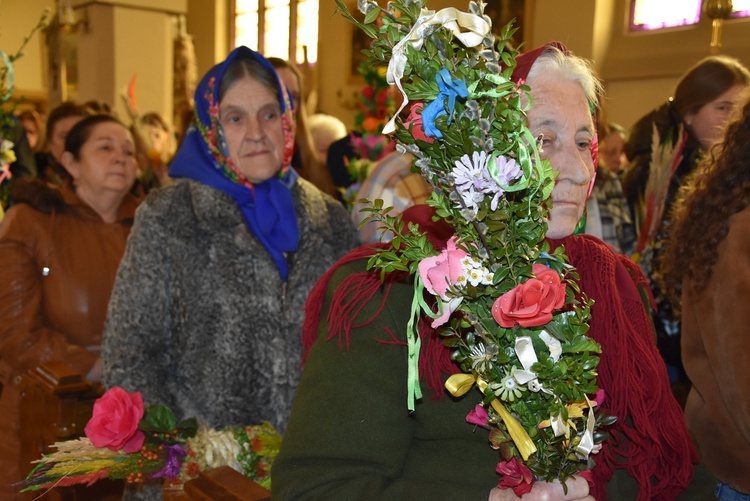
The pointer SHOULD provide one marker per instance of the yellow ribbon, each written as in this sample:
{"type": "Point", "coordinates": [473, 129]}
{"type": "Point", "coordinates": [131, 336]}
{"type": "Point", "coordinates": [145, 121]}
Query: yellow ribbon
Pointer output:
{"type": "Point", "coordinates": [459, 384]}
{"type": "Point", "coordinates": [451, 18]}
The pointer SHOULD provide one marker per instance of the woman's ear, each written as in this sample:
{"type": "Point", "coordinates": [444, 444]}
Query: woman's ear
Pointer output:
{"type": "Point", "coordinates": [69, 162]}
{"type": "Point", "coordinates": [688, 118]}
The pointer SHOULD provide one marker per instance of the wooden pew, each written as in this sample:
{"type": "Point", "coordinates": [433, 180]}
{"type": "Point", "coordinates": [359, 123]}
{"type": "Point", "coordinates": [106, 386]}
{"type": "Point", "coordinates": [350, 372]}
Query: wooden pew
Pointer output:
{"type": "Point", "coordinates": [218, 484]}
{"type": "Point", "coordinates": [56, 404]}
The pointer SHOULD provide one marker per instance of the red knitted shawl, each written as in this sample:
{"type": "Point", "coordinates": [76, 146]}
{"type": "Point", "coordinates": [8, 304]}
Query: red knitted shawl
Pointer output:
{"type": "Point", "coordinates": [650, 439]}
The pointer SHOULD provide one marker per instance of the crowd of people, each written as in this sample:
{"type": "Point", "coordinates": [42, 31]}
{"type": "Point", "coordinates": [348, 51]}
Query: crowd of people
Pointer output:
{"type": "Point", "coordinates": [180, 267]}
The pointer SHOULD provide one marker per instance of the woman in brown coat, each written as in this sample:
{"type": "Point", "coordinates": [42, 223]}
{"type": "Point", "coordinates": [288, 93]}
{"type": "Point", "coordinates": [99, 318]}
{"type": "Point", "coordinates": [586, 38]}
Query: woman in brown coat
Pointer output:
{"type": "Point", "coordinates": [709, 258]}
{"type": "Point", "coordinates": [59, 252]}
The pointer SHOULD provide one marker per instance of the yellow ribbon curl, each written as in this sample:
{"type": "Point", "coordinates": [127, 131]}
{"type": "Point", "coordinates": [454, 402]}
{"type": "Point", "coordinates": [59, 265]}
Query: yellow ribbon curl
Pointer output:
{"type": "Point", "coordinates": [459, 384]}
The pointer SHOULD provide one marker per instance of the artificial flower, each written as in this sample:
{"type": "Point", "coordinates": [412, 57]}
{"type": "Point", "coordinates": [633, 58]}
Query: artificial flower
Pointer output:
{"type": "Point", "coordinates": [413, 123]}
{"type": "Point", "coordinates": [516, 476]}
{"type": "Point", "coordinates": [531, 303]}
{"type": "Point", "coordinates": [478, 416]}
{"type": "Point", "coordinates": [114, 423]}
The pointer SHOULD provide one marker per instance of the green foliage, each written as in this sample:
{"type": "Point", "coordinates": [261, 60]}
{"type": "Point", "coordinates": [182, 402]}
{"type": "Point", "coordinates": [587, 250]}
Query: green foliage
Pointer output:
{"type": "Point", "coordinates": [506, 233]}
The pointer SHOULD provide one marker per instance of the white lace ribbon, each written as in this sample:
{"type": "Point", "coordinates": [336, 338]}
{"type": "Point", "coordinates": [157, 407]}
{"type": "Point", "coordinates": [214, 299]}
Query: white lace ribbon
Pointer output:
{"type": "Point", "coordinates": [451, 18]}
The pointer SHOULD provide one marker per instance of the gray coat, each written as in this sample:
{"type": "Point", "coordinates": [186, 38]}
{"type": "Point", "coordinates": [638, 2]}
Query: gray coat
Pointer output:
{"type": "Point", "coordinates": [200, 319]}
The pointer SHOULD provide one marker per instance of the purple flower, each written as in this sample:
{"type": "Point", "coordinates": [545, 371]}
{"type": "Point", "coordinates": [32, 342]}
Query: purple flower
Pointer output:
{"type": "Point", "coordinates": [482, 175]}
{"type": "Point", "coordinates": [172, 465]}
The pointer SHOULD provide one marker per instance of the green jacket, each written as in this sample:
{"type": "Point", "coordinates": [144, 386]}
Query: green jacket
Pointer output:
{"type": "Point", "coordinates": [350, 436]}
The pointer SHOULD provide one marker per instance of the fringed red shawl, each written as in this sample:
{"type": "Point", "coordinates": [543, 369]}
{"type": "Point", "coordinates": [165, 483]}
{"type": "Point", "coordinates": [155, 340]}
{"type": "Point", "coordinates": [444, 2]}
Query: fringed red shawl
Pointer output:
{"type": "Point", "coordinates": [650, 438]}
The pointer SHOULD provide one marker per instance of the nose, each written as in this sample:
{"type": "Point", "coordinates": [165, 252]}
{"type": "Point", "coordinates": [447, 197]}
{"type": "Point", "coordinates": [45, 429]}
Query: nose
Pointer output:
{"type": "Point", "coordinates": [254, 131]}
{"type": "Point", "coordinates": [574, 165]}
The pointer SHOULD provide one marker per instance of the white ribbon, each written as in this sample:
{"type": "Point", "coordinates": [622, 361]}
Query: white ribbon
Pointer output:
{"type": "Point", "coordinates": [527, 356]}
{"type": "Point", "coordinates": [450, 18]}
{"type": "Point", "coordinates": [587, 439]}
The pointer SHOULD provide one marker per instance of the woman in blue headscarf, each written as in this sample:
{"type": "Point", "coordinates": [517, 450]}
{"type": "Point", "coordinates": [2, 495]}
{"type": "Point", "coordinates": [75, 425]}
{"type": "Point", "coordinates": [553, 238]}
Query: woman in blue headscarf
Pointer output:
{"type": "Point", "coordinates": [207, 309]}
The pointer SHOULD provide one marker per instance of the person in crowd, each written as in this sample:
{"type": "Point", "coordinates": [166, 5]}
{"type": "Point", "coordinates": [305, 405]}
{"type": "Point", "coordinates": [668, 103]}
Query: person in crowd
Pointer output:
{"type": "Point", "coordinates": [612, 138]}
{"type": "Point", "coordinates": [306, 159]}
{"type": "Point", "coordinates": [206, 312]}
{"type": "Point", "coordinates": [607, 212]}
{"type": "Point", "coordinates": [707, 258]}
{"type": "Point", "coordinates": [393, 182]}
{"type": "Point", "coordinates": [60, 120]}
{"type": "Point", "coordinates": [686, 127]}
{"type": "Point", "coordinates": [156, 146]}
{"type": "Point", "coordinates": [59, 252]}
{"type": "Point", "coordinates": [32, 123]}
{"type": "Point", "coordinates": [325, 129]}
{"type": "Point", "coordinates": [346, 443]}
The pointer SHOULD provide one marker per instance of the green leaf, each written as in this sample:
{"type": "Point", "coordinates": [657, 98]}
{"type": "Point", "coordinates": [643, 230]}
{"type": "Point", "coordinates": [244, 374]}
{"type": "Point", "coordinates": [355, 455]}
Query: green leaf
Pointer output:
{"type": "Point", "coordinates": [158, 418]}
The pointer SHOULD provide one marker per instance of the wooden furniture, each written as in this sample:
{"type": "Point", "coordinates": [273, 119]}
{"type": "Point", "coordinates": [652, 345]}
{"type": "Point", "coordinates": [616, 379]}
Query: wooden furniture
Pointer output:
{"type": "Point", "coordinates": [219, 484]}
{"type": "Point", "coordinates": [55, 405]}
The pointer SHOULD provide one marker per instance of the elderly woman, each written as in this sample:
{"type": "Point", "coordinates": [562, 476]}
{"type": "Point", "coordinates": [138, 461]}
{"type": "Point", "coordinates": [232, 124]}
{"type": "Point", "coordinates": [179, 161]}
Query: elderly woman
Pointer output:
{"type": "Point", "coordinates": [59, 252]}
{"type": "Point", "coordinates": [346, 443]}
{"type": "Point", "coordinates": [207, 309]}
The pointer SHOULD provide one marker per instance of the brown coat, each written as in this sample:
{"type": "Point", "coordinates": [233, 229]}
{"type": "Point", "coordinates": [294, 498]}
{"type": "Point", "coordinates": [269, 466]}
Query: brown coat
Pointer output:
{"type": "Point", "coordinates": [57, 269]}
{"type": "Point", "coordinates": [716, 354]}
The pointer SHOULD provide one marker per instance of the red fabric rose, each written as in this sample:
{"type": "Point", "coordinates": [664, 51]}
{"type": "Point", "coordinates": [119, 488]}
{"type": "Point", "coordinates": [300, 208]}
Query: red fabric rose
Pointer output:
{"type": "Point", "coordinates": [516, 476]}
{"type": "Point", "coordinates": [413, 122]}
{"type": "Point", "coordinates": [114, 424]}
{"type": "Point", "coordinates": [531, 303]}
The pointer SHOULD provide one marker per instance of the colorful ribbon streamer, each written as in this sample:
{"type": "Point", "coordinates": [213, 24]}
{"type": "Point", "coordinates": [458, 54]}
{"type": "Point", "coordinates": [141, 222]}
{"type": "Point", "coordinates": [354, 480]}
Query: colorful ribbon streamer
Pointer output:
{"type": "Point", "coordinates": [428, 20]}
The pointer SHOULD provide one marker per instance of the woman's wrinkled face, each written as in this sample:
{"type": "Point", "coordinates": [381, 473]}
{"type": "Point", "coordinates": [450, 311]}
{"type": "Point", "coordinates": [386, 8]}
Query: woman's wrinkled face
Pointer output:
{"type": "Point", "coordinates": [708, 122]}
{"type": "Point", "coordinates": [250, 116]}
{"type": "Point", "coordinates": [560, 118]}
{"type": "Point", "coordinates": [56, 141]}
{"type": "Point", "coordinates": [106, 161]}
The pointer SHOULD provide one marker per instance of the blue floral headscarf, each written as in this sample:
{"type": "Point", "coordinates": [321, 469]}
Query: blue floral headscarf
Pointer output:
{"type": "Point", "coordinates": [268, 207]}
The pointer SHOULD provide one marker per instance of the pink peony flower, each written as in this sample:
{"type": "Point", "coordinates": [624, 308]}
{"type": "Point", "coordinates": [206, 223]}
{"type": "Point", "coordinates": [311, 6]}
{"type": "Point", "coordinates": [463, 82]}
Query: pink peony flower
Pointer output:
{"type": "Point", "coordinates": [413, 123]}
{"type": "Point", "coordinates": [531, 303]}
{"type": "Point", "coordinates": [516, 476]}
{"type": "Point", "coordinates": [114, 424]}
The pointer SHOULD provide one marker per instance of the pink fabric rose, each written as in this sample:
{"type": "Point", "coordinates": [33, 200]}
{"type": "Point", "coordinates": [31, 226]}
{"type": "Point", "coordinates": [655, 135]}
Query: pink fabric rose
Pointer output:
{"type": "Point", "coordinates": [414, 123]}
{"type": "Point", "coordinates": [516, 476]}
{"type": "Point", "coordinates": [478, 416]}
{"type": "Point", "coordinates": [438, 273]}
{"type": "Point", "coordinates": [114, 424]}
{"type": "Point", "coordinates": [531, 303]}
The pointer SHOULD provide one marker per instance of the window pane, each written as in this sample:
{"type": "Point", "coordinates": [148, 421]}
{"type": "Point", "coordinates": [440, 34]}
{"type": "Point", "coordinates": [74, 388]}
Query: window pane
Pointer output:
{"type": "Point", "coordinates": [243, 6]}
{"type": "Point", "coordinates": [740, 8]}
{"type": "Point", "coordinates": [655, 14]}
{"type": "Point", "coordinates": [307, 30]}
{"type": "Point", "coordinates": [276, 37]}
{"type": "Point", "coordinates": [246, 30]}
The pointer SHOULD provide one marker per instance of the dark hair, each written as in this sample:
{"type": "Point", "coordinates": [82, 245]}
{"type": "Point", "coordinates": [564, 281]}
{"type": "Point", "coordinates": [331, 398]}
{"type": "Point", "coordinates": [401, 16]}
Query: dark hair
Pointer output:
{"type": "Point", "coordinates": [719, 188]}
{"type": "Point", "coordinates": [62, 111]}
{"type": "Point", "coordinates": [157, 120]}
{"type": "Point", "coordinates": [81, 131]}
{"type": "Point", "coordinates": [244, 67]}
{"type": "Point", "coordinates": [707, 80]}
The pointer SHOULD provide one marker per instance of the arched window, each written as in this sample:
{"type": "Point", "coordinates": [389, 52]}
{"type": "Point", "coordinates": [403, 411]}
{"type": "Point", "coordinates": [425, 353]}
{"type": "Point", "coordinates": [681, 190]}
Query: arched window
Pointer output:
{"type": "Point", "coordinates": [278, 28]}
